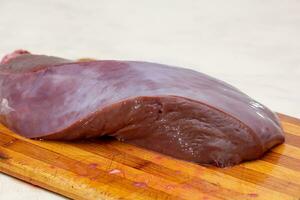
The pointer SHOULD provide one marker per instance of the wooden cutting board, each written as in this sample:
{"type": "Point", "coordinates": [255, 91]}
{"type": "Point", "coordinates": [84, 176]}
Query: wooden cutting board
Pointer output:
{"type": "Point", "coordinates": [106, 169]}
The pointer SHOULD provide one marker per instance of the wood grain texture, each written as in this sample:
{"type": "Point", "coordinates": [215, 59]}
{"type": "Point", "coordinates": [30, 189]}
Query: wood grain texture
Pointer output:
{"type": "Point", "coordinates": [106, 169]}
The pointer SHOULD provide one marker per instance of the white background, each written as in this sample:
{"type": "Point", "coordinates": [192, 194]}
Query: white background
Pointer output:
{"type": "Point", "coordinates": [252, 44]}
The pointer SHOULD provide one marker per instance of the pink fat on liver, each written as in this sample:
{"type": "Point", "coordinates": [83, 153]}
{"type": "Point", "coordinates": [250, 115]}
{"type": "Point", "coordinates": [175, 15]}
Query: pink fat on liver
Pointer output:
{"type": "Point", "coordinates": [13, 55]}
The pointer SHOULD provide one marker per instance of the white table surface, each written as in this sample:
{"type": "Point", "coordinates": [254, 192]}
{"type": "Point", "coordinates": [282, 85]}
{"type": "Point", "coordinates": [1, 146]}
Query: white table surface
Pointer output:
{"type": "Point", "coordinates": [252, 44]}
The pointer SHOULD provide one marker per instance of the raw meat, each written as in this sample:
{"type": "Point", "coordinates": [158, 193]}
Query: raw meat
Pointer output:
{"type": "Point", "coordinates": [171, 110]}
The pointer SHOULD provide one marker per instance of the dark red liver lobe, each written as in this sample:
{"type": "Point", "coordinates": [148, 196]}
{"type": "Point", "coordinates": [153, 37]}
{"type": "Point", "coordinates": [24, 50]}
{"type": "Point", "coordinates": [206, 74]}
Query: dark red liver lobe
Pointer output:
{"type": "Point", "coordinates": [175, 111]}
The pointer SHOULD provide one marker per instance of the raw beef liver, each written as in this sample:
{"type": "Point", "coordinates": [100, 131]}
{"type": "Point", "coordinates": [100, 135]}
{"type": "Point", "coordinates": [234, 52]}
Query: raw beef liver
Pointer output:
{"type": "Point", "coordinates": [175, 111]}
